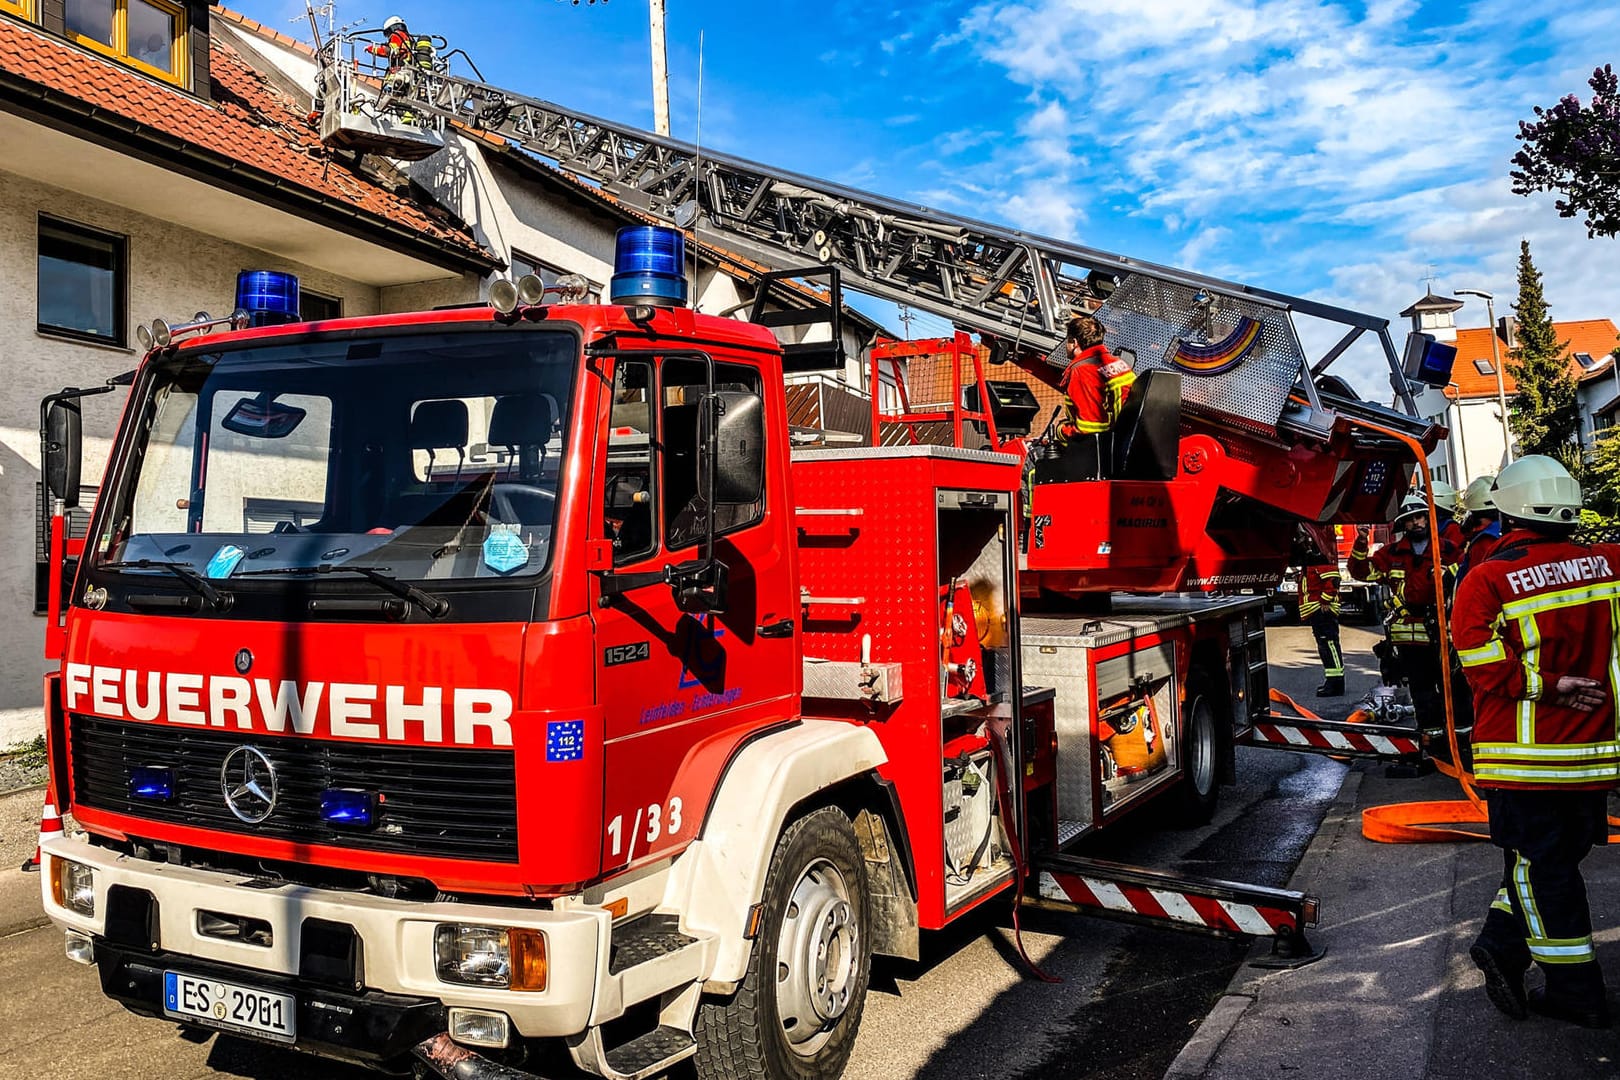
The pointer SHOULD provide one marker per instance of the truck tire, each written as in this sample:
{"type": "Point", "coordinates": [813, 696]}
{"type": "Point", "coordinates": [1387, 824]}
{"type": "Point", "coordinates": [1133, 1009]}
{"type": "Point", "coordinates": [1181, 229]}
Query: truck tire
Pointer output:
{"type": "Point", "coordinates": [1200, 786]}
{"type": "Point", "coordinates": [795, 1015]}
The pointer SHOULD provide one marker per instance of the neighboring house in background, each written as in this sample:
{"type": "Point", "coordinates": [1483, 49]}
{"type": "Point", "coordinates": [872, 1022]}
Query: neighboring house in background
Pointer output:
{"type": "Point", "coordinates": [149, 164]}
{"type": "Point", "coordinates": [1469, 407]}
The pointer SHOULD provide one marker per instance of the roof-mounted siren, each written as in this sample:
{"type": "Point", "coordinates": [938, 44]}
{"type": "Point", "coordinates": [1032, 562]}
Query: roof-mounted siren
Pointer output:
{"type": "Point", "coordinates": [1428, 360]}
{"type": "Point", "coordinates": [649, 267]}
{"type": "Point", "coordinates": [270, 297]}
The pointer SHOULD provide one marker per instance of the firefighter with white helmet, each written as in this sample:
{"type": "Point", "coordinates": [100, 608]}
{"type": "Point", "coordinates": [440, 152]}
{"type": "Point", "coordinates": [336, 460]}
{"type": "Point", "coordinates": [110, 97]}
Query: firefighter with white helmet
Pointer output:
{"type": "Point", "coordinates": [1404, 566]}
{"type": "Point", "coordinates": [1535, 629]}
{"type": "Point", "coordinates": [1481, 524]}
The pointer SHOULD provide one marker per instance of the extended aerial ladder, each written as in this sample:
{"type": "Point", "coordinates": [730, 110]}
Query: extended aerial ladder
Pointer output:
{"type": "Point", "coordinates": [1243, 433]}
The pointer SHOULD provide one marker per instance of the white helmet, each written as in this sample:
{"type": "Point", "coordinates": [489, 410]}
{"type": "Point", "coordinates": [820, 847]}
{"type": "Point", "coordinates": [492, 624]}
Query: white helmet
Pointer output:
{"type": "Point", "coordinates": [1477, 498]}
{"type": "Point", "coordinates": [1538, 488]}
{"type": "Point", "coordinates": [393, 22]}
{"type": "Point", "coordinates": [1444, 495]}
{"type": "Point", "coordinates": [1411, 506]}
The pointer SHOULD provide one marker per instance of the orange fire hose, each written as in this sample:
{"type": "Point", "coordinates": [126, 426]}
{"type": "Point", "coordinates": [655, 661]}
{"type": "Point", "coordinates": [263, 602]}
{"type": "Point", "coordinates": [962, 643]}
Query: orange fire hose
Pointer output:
{"type": "Point", "coordinates": [1433, 821]}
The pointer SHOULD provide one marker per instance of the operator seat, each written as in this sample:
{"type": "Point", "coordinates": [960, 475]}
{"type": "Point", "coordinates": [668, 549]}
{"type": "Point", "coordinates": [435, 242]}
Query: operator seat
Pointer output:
{"type": "Point", "coordinates": [1147, 435]}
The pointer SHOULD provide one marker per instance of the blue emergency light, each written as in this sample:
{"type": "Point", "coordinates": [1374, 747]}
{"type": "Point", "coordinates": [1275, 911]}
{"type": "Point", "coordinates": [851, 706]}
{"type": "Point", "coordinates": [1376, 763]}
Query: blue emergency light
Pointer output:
{"type": "Point", "coordinates": [270, 297]}
{"type": "Point", "coordinates": [349, 807]}
{"type": "Point", "coordinates": [154, 783]}
{"type": "Point", "coordinates": [649, 267]}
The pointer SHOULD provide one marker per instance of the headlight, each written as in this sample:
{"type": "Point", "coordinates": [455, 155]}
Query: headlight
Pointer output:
{"type": "Point", "coordinates": [73, 886]}
{"type": "Point", "coordinates": [490, 956]}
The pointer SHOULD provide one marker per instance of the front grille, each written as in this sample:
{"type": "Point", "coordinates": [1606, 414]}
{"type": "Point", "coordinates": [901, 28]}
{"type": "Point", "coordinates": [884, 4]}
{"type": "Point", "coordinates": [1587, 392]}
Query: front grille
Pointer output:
{"type": "Point", "coordinates": [459, 804]}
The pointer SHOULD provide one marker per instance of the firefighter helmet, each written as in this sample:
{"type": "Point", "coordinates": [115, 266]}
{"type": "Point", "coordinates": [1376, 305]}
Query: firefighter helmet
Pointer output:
{"type": "Point", "coordinates": [1412, 506]}
{"type": "Point", "coordinates": [1477, 498]}
{"type": "Point", "coordinates": [1538, 489]}
{"type": "Point", "coordinates": [1444, 495]}
{"type": "Point", "coordinates": [393, 22]}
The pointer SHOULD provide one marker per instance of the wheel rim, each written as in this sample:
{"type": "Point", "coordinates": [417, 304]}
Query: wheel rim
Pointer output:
{"type": "Point", "coordinates": [817, 957]}
{"type": "Point", "coordinates": [1202, 767]}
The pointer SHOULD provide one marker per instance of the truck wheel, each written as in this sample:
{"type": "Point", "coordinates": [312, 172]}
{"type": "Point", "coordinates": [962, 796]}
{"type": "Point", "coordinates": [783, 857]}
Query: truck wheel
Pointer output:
{"type": "Point", "coordinates": [1200, 785]}
{"type": "Point", "coordinates": [795, 1014]}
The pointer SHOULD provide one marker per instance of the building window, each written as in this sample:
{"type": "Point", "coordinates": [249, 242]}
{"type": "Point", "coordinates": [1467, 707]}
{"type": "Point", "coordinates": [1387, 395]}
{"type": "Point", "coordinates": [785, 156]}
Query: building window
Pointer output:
{"type": "Point", "coordinates": [528, 264]}
{"type": "Point", "coordinates": [149, 35]}
{"type": "Point", "coordinates": [1602, 421]}
{"type": "Point", "coordinates": [1585, 360]}
{"type": "Point", "coordinates": [314, 307]}
{"type": "Point", "coordinates": [25, 8]}
{"type": "Point", "coordinates": [81, 282]}
{"type": "Point", "coordinates": [1484, 367]}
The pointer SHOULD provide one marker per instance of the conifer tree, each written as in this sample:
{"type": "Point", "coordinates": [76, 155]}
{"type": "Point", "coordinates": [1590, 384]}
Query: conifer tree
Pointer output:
{"type": "Point", "coordinates": [1543, 413]}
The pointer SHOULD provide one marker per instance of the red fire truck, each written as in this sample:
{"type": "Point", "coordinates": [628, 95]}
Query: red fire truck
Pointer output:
{"type": "Point", "coordinates": [469, 688]}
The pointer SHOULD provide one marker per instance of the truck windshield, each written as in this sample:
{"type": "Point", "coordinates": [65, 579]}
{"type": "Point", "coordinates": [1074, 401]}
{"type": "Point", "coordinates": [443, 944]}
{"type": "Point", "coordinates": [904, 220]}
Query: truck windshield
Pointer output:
{"type": "Point", "coordinates": [428, 456]}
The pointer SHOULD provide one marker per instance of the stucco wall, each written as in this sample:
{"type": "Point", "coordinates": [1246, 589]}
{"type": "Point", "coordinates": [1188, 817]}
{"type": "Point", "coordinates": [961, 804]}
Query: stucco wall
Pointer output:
{"type": "Point", "coordinates": [173, 273]}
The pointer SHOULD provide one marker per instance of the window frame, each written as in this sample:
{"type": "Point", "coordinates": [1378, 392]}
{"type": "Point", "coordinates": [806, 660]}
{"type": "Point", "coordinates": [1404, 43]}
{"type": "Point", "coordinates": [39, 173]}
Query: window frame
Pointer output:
{"type": "Point", "coordinates": [119, 49]}
{"type": "Point", "coordinates": [1484, 366]}
{"type": "Point", "coordinates": [120, 243]}
{"type": "Point", "coordinates": [325, 297]}
{"type": "Point", "coordinates": [23, 9]}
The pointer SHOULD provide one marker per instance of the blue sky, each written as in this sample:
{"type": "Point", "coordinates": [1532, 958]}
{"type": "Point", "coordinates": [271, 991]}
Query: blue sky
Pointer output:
{"type": "Point", "coordinates": [1342, 150]}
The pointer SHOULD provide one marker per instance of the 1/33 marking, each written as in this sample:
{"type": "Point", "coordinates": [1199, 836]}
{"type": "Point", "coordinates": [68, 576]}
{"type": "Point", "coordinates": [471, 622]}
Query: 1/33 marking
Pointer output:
{"type": "Point", "coordinates": [661, 820]}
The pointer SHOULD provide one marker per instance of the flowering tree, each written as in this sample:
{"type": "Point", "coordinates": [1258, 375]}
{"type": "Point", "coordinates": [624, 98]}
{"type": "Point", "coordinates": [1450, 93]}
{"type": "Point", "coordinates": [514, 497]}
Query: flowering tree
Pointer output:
{"type": "Point", "coordinates": [1574, 149]}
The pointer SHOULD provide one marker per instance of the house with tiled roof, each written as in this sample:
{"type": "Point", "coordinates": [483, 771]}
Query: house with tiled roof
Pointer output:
{"type": "Point", "coordinates": [1471, 406]}
{"type": "Point", "coordinates": [149, 163]}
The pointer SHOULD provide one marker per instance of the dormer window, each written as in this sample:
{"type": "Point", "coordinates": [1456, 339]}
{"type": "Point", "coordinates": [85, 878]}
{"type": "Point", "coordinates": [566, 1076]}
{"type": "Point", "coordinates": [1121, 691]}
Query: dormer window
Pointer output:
{"type": "Point", "coordinates": [1484, 367]}
{"type": "Point", "coordinates": [24, 8]}
{"type": "Point", "coordinates": [148, 35]}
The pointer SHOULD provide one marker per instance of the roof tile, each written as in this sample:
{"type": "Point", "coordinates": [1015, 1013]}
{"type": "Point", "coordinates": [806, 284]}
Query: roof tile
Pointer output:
{"type": "Point", "coordinates": [248, 121]}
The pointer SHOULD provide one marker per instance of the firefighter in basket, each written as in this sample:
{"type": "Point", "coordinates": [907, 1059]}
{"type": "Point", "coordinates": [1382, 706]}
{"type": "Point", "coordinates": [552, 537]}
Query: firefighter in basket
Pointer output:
{"type": "Point", "coordinates": [409, 56]}
{"type": "Point", "coordinates": [1405, 567]}
{"type": "Point", "coordinates": [1535, 628]}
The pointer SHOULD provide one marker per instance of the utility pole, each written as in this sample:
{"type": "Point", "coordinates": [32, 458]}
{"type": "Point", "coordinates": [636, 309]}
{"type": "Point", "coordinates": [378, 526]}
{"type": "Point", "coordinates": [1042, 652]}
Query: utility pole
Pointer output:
{"type": "Point", "coordinates": [905, 317]}
{"type": "Point", "coordinates": [1496, 360]}
{"type": "Point", "coordinates": [660, 68]}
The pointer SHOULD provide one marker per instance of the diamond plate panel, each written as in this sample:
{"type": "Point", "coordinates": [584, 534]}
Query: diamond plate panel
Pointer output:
{"type": "Point", "coordinates": [1152, 318]}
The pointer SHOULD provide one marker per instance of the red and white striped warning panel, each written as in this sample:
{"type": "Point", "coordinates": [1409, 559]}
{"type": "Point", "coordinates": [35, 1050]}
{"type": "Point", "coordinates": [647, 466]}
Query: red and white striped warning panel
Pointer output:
{"type": "Point", "coordinates": [1138, 894]}
{"type": "Point", "coordinates": [1188, 909]}
{"type": "Point", "coordinates": [1351, 740]}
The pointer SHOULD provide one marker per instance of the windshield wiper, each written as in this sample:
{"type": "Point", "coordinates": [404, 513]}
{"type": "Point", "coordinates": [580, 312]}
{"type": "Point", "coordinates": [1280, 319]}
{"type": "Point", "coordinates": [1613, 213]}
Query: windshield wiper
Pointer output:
{"type": "Point", "coordinates": [435, 606]}
{"type": "Point", "coordinates": [214, 598]}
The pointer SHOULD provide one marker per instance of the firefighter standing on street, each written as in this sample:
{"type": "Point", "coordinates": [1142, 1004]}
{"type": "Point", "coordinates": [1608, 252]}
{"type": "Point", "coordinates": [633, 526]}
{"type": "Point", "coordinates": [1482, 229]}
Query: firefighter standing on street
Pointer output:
{"type": "Point", "coordinates": [1317, 582]}
{"type": "Point", "coordinates": [1405, 567]}
{"type": "Point", "coordinates": [1095, 386]}
{"type": "Point", "coordinates": [1535, 627]}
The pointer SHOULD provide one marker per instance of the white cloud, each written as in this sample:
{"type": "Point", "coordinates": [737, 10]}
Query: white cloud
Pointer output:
{"type": "Point", "coordinates": [1318, 147]}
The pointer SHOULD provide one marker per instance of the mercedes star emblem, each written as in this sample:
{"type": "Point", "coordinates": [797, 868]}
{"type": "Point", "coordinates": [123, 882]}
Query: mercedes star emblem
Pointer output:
{"type": "Point", "coordinates": [244, 661]}
{"type": "Point", "coordinates": [248, 781]}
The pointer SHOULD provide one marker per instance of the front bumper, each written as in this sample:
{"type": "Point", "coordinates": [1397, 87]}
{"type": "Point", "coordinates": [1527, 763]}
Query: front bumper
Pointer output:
{"type": "Point", "coordinates": [393, 952]}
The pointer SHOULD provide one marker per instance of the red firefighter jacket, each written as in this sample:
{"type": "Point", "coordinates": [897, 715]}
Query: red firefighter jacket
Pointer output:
{"type": "Point", "coordinates": [1536, 610]}
{"type": "Point", "coordinates": [1095, 386]}
{"type": "Point", "coordinates": [1410, 580]}
{"type": "Point", "coordinates": [1318, 588]}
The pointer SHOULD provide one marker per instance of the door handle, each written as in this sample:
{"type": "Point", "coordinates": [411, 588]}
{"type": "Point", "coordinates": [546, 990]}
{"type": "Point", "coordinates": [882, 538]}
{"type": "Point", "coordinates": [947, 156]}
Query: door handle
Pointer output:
{"type": "Point", "coordinates": [776, 628]}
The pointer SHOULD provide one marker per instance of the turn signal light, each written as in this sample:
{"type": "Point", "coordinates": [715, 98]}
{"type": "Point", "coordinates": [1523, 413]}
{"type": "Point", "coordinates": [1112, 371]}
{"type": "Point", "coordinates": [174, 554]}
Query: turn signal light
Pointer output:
{"type": "Point", "coordinates": [528, 959]}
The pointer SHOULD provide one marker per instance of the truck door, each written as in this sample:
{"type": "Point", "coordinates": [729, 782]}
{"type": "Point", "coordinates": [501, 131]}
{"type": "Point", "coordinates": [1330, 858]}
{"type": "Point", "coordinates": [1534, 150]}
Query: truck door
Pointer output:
{"type": "Point", "coordinates": [680, 690]}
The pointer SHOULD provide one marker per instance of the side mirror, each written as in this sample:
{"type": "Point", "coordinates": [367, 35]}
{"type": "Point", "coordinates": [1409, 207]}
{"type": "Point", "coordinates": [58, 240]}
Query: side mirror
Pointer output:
{"type": "Point", "coordinates": [737, 449]}
{"type": "Point", "coordinates": [63, 450]}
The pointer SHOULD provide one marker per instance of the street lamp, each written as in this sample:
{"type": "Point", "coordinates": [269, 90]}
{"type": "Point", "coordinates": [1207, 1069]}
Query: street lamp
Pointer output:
{"type": "Point", "coordinates": [1496, 361]}
{"type": "Point", "coordinates": [1460, 461]}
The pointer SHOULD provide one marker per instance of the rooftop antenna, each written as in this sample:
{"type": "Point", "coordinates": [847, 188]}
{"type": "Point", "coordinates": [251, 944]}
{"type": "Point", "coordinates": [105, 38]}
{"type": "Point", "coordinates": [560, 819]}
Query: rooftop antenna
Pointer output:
{"type": "Point", "coordinates": [697, 173]}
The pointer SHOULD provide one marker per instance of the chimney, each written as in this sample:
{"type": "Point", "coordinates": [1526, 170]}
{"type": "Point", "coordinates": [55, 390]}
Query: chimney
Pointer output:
{"type": "Point", "coordinates": [1507, 328]}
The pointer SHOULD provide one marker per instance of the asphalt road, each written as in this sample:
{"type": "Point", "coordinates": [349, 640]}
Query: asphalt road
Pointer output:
{"type": "Point", "coordinates": [1130, 997]}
